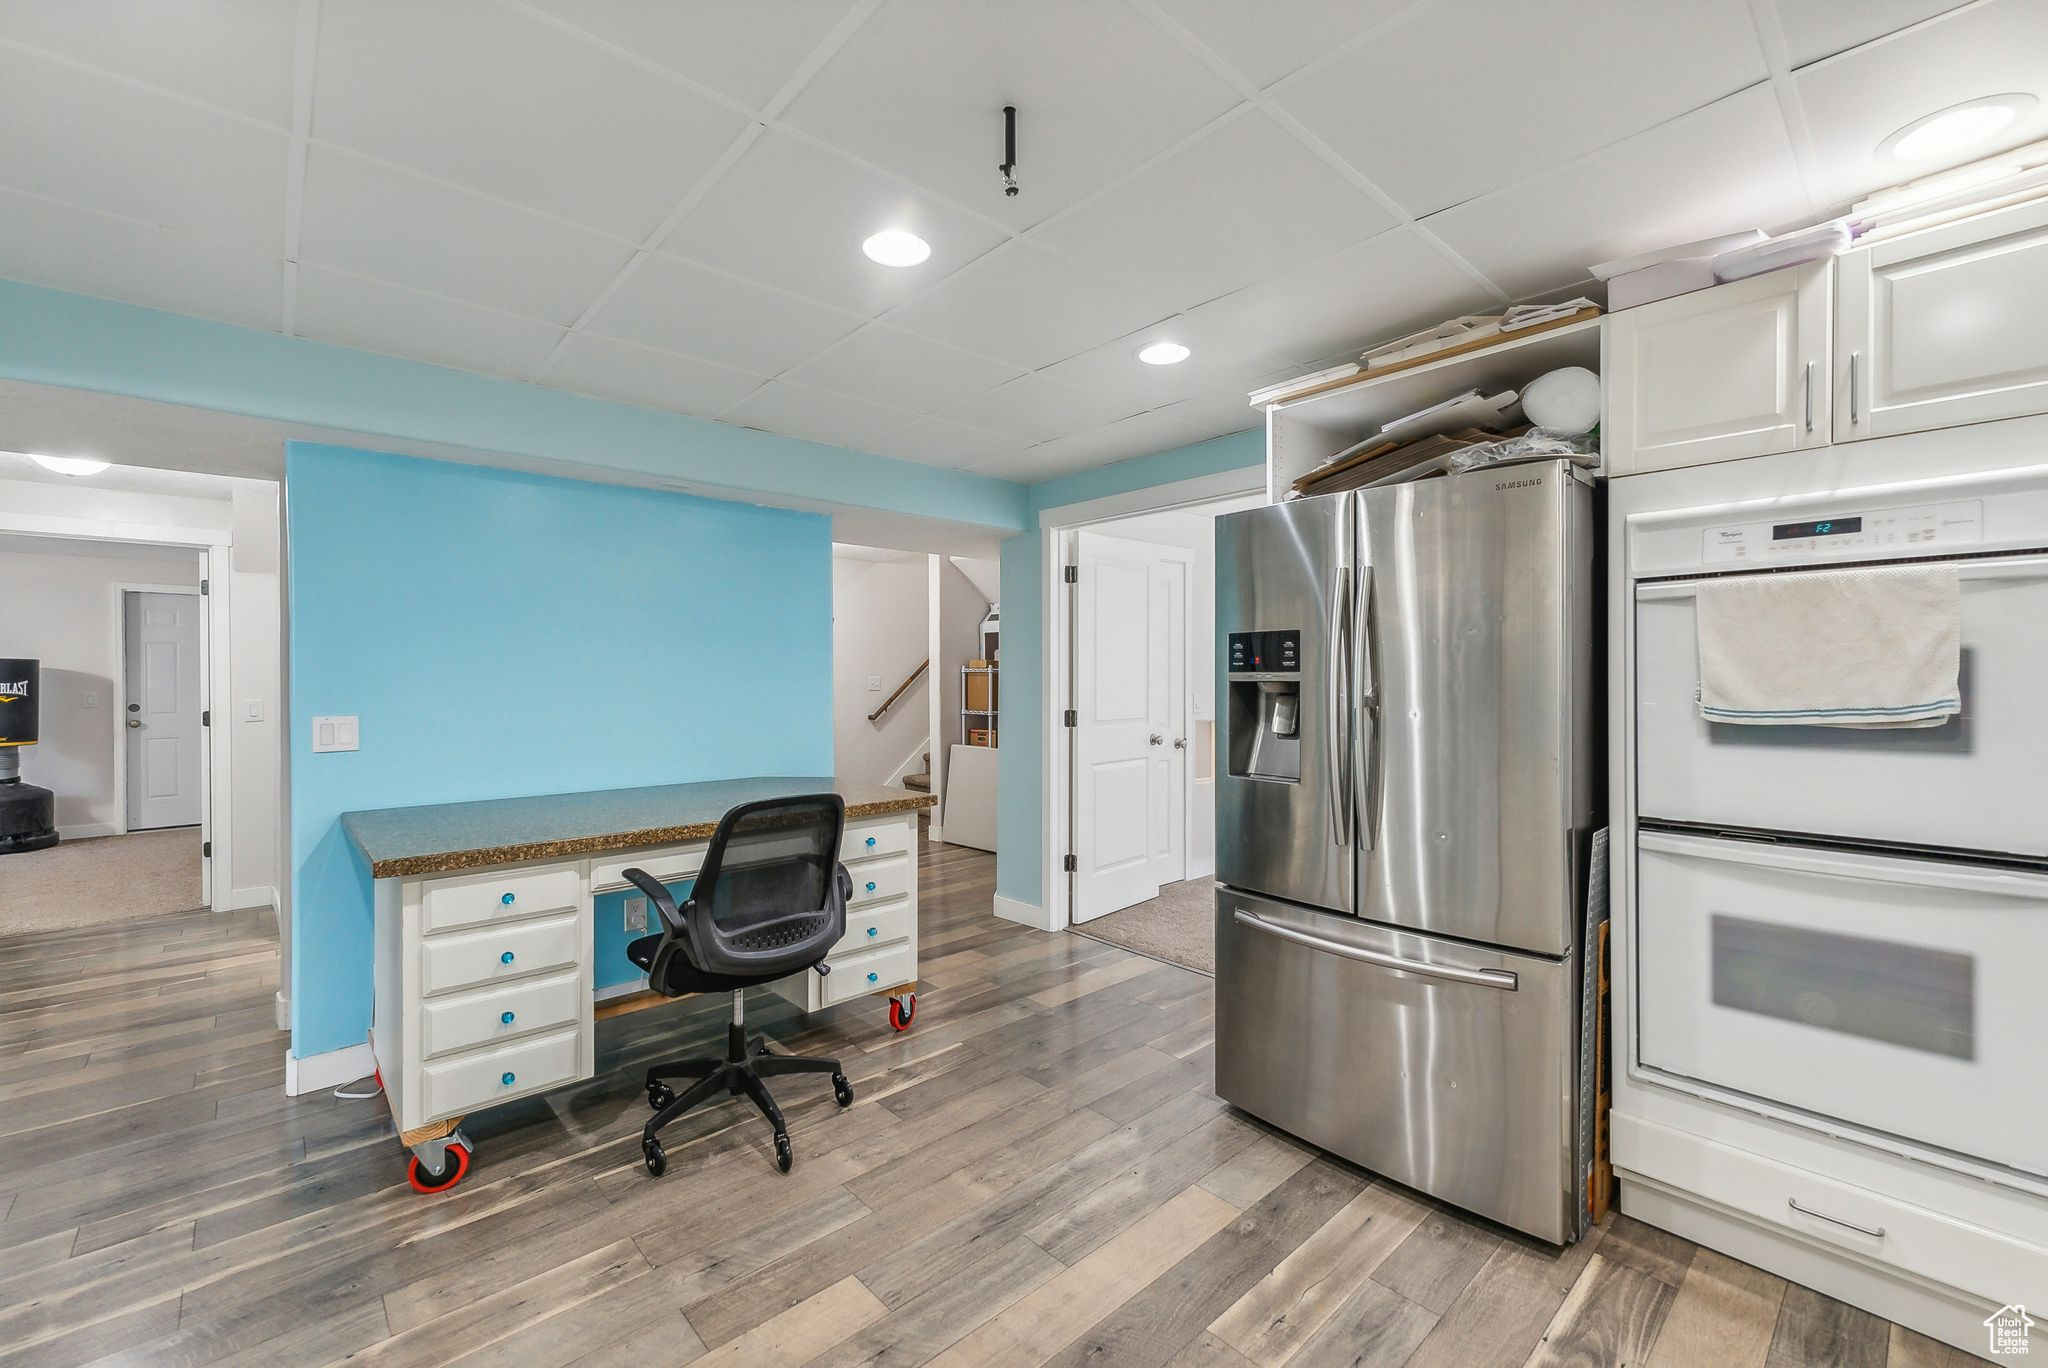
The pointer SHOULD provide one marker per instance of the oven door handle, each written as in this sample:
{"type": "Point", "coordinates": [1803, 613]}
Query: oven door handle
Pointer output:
{"type": "Point", "coordinates": [1850, 864]}
{"type": "Point", "coordinates": [1479, 978]}
{"type": "Point", "coordinates": [1968, 571]}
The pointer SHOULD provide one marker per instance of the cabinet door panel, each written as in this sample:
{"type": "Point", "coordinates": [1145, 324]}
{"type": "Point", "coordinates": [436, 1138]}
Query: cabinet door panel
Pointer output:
{"type": "Point", "coordinates": [1718, 375]}
{"type": "Point", "coordinates": [1941, 327]}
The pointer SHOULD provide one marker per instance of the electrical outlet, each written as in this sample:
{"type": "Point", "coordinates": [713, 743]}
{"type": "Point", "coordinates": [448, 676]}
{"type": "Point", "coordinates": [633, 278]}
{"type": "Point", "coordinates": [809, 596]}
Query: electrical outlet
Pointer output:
{"type": "Point", "coordinates": [636, 914]}
{"type": "Point", "coordinates": [874, 683]}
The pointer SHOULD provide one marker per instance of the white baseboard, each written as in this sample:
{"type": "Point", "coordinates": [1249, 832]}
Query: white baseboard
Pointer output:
{"type": "Point", "coordinates": [1023, 913]}
{"type": "Point", "coordinates": [619, 990]}
{"type": "Point", "coordinates": [283, 1007]}
{"type": "Point", "coordinates": [86, 831]}
{"type": "Point", "coordinates": [934, 833]}
{"type": "Point", "coordinates": [317, 1073]}
{"type": "Point", "coordinates": [261, 896]}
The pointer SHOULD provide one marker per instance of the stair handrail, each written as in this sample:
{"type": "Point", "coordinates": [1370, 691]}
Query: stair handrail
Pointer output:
{"type": "Point", "coordinates": [890, 701]}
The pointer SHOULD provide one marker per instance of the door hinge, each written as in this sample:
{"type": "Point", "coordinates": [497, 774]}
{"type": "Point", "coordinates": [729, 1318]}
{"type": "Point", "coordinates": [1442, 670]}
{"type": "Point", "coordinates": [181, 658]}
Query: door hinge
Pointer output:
{"type": "Point", "coordinates": [1073, 574]}
{"type": "Point", "coordinates": [206, 717]}
{"type": "Point", "coordinates": [205, 850]}
{"type": "Point", "coordinates": [1072, 865]}
{"type": "Point", "coordinates": [1072, 718]}
{"type": "Point", "coordinates": [205, 588]}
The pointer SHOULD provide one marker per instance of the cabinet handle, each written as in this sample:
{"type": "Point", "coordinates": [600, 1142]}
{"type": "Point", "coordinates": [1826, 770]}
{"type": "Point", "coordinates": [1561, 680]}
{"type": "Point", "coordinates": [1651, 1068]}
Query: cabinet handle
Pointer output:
{"type": "Point", "coordinates": [1809, 396]}
{"type": "Point", "coordinates": [506, 1079]}
{"type": "Point", "coordinates": [506, 1018]}
{"type": "Point", "coordinates": [505, 958]}
{"type": "Point", "coordinates": [871, 840]}
{"type": "Point", "coordinates": [1793, 1203]}
{"type": "Point", "coordinates": [1855, 388]}
{"type": "Point", "coordinates": [874, 930]}
{"type": "Point", "coordinates": [874, 978]}
{"type": "Point", "coordinates": [871, 886]}
{"type": "Point", "coordinates": [507, 899]}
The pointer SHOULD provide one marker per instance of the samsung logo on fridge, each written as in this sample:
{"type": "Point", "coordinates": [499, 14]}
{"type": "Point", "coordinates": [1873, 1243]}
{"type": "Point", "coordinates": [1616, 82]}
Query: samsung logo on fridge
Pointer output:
{"type": "Point", "coordinates": [1518, 484]}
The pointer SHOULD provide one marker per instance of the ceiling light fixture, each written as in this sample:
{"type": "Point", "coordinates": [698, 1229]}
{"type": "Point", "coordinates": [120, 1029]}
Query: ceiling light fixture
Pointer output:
{"type": "Point", "coordinates": [895, 247]}
{"type": "Point", "coordinates": [1163, 353]}
{"type": "Point", "coordinates": [69, 465]}
{"type": "Point", "coordinates": [1957, 129]}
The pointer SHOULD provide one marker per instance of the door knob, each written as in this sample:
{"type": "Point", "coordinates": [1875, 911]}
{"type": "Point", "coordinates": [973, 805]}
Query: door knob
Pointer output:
{"type": "Point", "coordinates": [133, 723]}
{"type": "Point", "coordinates": [1180, 743]}
{"type": "Point", "coordinates": [1157, 738]}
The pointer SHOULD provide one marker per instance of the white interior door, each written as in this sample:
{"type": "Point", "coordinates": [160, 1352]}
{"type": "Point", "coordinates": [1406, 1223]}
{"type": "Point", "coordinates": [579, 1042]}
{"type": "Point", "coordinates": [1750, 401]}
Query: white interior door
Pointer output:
{"type": "Point", "coordinates": [1168, 808]}
{"type": "Point", "coordinates": [1124, 668]}
{"type": "Point", "coordinates": [163, 731]}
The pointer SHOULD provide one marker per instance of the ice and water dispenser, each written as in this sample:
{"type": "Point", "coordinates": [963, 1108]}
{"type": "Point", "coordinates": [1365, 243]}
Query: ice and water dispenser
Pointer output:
{"type": "Point", "coordinates": [1264, 721]}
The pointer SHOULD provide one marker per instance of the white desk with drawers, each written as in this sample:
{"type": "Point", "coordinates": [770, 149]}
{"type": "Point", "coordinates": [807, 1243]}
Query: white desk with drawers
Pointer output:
{"type": "Point", "coordinates": [484, 920]}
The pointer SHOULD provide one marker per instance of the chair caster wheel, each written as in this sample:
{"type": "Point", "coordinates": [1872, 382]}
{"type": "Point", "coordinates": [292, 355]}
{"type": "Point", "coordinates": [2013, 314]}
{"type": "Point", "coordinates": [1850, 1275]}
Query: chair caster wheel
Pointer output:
{"type": "Point", "coordinates": [659, 1095]}
{"type": "Point", "coordinates": [454, 1166]}
{"type": "Point", "coordinates": [784, 1155]}
{"type": "Point", "coordinates": [902, 1011]}
{"type": "Point", "coordinates": [655, 1155]}
{"type": "Point", "coordinates": [842, 1090]}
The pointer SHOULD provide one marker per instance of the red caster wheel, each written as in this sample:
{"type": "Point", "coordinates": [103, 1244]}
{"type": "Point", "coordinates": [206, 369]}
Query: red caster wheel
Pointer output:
{"type": "Point", "coordinates": [454, 1165]}
{"type": "Point", "coordinates": [902, 1011]}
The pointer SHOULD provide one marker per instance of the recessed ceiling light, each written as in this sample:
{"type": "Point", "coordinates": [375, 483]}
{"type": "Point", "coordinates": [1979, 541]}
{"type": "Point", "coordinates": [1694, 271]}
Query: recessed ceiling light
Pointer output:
{"type": "Point", "coordinates": [1956, 129]}
{"type": "Point", "coordinates": [1163, 353]}
{"type": "Point", "coordinates": [895, 247]}
{"type": "Point", "coordinates": [69, 465]}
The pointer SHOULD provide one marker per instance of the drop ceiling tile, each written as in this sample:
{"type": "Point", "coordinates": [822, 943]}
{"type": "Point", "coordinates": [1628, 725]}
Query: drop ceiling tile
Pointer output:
{"type": "Point", "coordinates": [1039, 409]}
{"type": "Point", "coordinates": [641, 375]}
{"type": "Point", "coordinates": [1815, 29]}
{"type": "Point", "coordinates": [1027, 306]}
{"type": "Point", "coordinates": [1243, 202]}
{"type": "Point", "coordinates": [920, 90]}
{"type": "Point", "coordinates": [1384, 287]}
{"type": "Point", "coordinates": [682, 307]}
{"type": "Point", "coordinates": [740, 48]}
{"type": "Point", "coordinates": [1855, 101]}
{"type": "Point", "coordinates": [1220, 362]}
{"type": "Point", "coordinates": [890, 366]}
{"type": "Point", "coordinates": [1265, 42]}
{"type": "Point", "coordinates": [940, 442]}
{"type": "Point", "coordinates": [235, 54]}
{"type": "Point", "coordinates": [380, 317]}
{"type": "Point", "coordinates": [480, 95]}
{"type": "Point", "coordinates": [101, 144]}
{"type": "Point", "coordinates": [794, 216]}
{"type": "Point", "coordinates": [1724, 168]}
{"type": "Point", "coordinates": [1219, 415]}
{"type": "Point", "coordinates": [69, 248]}
{"type": "Point", "coordinates": [374, 220]}
{"type": "Point", "coordinates": [816, 415]}
{"type": "Point", "coordinates": [1411, 112]}
{"type": "Point", "coordinates": [1139, 435]}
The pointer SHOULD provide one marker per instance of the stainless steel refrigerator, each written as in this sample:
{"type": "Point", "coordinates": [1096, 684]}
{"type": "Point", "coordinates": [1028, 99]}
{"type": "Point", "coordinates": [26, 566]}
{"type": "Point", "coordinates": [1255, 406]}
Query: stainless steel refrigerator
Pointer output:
{"type": "Point", "coordinates": [1405, 799]}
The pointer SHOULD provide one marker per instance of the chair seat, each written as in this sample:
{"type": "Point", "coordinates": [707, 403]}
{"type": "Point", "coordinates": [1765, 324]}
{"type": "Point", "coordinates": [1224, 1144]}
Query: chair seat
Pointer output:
{"type": "Point", "coordinates": [685, 977]}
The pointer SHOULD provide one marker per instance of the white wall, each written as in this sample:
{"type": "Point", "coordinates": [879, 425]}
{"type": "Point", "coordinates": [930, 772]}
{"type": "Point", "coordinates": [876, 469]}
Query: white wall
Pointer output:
{"type": "Point", "coordinates": [879, 630]}
{"type": "Point", "coordinates": [61, 609]}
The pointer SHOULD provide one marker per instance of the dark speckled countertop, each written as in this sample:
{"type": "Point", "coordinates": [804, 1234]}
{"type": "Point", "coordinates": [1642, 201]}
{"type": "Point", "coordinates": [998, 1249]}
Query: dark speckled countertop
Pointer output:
{"type": "Point", "coordinates": [443, 837]}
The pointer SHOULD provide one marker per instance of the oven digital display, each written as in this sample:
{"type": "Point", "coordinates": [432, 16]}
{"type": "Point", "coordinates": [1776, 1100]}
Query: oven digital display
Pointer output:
{"type": "Point", "coordinates": [1826, 527]}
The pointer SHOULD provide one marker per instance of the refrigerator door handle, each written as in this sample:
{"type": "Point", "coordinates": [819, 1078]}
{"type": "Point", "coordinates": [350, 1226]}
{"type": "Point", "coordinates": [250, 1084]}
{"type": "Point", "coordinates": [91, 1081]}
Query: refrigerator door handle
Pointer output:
{"type": "Point", "coordinates": [1365, 744]}
{"type": "Point", "coordinates": [1482, 978]}
{"type": "Point", "coordinates": [1337, 708]}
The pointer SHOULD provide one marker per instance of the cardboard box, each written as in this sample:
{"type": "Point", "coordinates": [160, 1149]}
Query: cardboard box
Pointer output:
{"type": "Point", "coordinates": [981, 736]}
{"type": "Point", "coordinates": [981, 688]}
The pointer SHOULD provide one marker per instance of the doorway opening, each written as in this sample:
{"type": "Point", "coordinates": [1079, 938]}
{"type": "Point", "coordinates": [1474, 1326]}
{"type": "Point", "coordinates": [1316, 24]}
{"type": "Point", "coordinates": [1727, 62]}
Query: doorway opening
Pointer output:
{"type": "Point", "coordinates": [1138, 710]}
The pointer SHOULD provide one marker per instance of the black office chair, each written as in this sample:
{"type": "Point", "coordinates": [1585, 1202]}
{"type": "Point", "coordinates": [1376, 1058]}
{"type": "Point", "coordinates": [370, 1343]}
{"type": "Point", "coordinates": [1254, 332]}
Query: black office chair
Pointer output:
{"type": "Point", "coordinates": [770, 901]}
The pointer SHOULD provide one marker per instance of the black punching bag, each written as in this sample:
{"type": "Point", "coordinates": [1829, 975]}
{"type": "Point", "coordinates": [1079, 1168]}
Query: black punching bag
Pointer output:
{"type": "Point", "coordinates": [27, 813]}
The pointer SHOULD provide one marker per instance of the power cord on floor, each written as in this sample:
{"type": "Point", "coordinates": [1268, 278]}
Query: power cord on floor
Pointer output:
{"type": "Point", "coordinates": [348, 1096]}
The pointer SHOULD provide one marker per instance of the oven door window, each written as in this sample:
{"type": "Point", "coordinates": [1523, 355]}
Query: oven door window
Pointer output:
{"type": "Point", "coordinates": [1907, 995]}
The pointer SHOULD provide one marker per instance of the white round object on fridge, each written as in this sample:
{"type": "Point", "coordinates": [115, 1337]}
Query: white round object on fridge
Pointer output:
{"type": "Point", "coordinates": [1564, 400]}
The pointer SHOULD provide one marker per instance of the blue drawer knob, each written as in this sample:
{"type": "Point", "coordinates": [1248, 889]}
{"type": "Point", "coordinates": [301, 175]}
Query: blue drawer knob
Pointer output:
{"type": "Point", "coordinates": [874, 930]}
{"type": "Point", "coordinates": [874, 978]}
{"type": "Point", "coordinates": [871, 887]}
{"type": "Point", "coordinates": [507, 900]}
{"type": "Point", "coordinates": [871, 840]}
{"type": "Point", "coordinates": [505, 958]}
{"type": "Point", "coordinates": [506, 1079]}
{"type": "Point", "coordinates": [507, 1018]}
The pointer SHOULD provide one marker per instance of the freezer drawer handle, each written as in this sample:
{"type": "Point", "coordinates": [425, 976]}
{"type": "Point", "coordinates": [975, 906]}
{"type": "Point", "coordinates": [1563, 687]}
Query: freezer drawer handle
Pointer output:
{"type": "Point", "coordinates": [1793, 1203]}
{"type": "Point", "coordinates": [1481, 978]}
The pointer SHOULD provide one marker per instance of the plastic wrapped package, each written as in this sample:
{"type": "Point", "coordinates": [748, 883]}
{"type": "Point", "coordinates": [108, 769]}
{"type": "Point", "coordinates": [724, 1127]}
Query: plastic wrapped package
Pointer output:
{"type": "Point", "coordinates": [1537, 444]}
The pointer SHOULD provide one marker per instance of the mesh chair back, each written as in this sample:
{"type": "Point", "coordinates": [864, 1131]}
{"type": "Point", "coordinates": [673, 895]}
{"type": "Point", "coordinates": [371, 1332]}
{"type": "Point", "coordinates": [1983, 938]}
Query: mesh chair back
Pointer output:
{"type": "Point", "coordinates": [769, 887]}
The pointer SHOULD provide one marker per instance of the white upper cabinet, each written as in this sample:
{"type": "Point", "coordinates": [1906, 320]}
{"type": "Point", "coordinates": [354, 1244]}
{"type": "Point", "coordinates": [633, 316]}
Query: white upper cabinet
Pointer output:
{"type": "Point", "coordinates": [1944, 326]}
{"type": "Point", "coordinates": [1716, 375]}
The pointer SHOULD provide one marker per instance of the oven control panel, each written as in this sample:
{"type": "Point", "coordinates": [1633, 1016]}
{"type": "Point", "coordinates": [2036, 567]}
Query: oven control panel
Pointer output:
{"type": "Point", "coordinates": [1851, 533]}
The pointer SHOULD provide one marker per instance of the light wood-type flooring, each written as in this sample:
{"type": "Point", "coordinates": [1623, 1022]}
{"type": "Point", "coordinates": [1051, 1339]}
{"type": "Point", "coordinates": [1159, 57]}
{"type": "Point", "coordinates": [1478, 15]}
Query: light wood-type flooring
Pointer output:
{"type": "Point", "coordinates": [1037, 1172]}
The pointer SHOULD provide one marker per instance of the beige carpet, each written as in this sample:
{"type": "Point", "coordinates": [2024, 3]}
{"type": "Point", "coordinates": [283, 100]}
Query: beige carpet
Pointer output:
{"type": "Point", "coordinates": [1178, 926]}
{"type": "Point", "coordinates": [108, 879]}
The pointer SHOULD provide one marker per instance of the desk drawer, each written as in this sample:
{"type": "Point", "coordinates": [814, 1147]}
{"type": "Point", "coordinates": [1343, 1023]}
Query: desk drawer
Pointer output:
{"type": "Point", "coordinates": [865, 842]}
{"type": "Point", "coordinates": [869, 971]}
{"type": "Point", "coordinates": [879, 880]}
{"type": "Point", "coordinates": [669, 864]}
{"type": "Point", "coordinates": [517, 1009]}
{"type": "Point", "coordinates": [470, 1081]}
{"type": "Point", "coordinates": [874, 926]}
{"type": "Point", "coordinates": [516, 950]}
{"type": "Point", "coordinates": [450, 904]}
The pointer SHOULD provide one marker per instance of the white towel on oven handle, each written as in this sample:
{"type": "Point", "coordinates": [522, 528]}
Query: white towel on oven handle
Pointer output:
{"type": "Point", "coordinates": [1869, 648]}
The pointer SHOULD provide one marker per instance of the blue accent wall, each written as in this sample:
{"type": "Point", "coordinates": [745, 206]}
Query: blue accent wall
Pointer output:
{"type": "Point", "coordinates": [1020, 777]}
{"type": "Point", "coordinates": [503, 634]}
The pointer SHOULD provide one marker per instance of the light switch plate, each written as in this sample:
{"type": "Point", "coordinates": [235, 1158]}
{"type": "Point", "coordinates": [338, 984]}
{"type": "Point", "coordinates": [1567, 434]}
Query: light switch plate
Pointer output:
{"type": "Point", "coordinates": [336, 734]}
{"type": "Point", "coordinates": [89, 699]}
{"type": "Point", "coordinates": [874, 683]}
{"type": "Point", "coordinates": [252, 710]}
{"type": "Point", "coordinates": [636, 914]}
